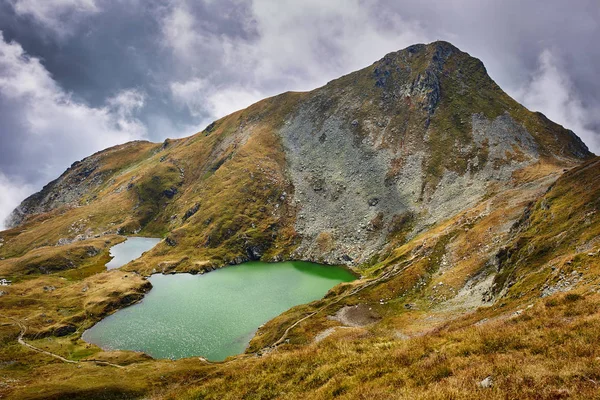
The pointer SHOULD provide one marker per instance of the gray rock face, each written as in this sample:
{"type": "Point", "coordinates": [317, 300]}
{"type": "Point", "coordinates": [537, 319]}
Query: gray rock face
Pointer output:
{"type": "Point", "coordinates": [342, 185]}
{"type": "Point", "coordinates": [335, 183]}
{"type": "Point", "coordinates": [64, 330]}
{"type": "Point", "coordinates": [360, 151]}
{"type": "Point", "coordinates": [509, 148]}
{"type": "Point", "coordinates": [67, 190]}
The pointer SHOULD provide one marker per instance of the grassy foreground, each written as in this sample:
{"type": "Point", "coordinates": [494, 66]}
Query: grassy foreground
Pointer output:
{"type": "Point", "coordinates": [530, 342]}
{"type": "Point", "coordinates": [548, 351]}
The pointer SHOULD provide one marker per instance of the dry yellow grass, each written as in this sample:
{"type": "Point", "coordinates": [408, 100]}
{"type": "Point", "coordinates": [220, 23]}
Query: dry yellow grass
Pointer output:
{"type": "Point", "coordinates": [219, 193]}
{"type": "Point", "coordinates": [548, 351]}
{"type": "Point", "coordinates": [532, 347]}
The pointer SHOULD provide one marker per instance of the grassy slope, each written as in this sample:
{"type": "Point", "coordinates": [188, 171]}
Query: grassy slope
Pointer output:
{"type": "Point", "coordinates": [219, 195]}
{"type": "Point", "coordinates": [241, 193]}
{"type": "Point", "coordinates": [101, 209]}
{"type": "Point", "coordinates": [547, 352]}
{"type": "Point", "coordinates": [533, 347]}
{"type": "Point", "coordinates": [234, 174]}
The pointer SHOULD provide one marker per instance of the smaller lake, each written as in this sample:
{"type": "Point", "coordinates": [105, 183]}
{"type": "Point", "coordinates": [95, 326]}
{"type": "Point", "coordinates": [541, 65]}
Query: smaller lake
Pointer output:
{"type": "Point", "coordinates": [130, 250]}
{"type": "Point", "coordinates": [214, 315]}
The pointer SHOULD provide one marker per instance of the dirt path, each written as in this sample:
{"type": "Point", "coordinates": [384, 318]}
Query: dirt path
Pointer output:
{"type": "Point", "coordinates": [24, 343]}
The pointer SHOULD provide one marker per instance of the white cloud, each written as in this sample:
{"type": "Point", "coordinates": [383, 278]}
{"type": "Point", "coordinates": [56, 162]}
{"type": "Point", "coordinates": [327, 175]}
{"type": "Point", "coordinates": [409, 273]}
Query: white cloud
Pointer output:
{"type": "Point", "coordinates": [190, 94]}
{"type": "Point", "coordinates": [168, 128]}
{"type": "Point", "coordinates": [326, 38]}
{"type": "Point", "coordinates": [551, 92]}
{"type": "Point", "coordinates": [11, 194]}
{"type": "Point", "coordinates": [178, 31]}
{"type": "Point", "coordinates": [227, 100]}
{"type": "Point", "coordinates": [123, 107]}
{"type": "Point", "coordinates": [291, 45]}
{"type": "Point", "coordinates": [56, 15]}
{"type": "Point", "coordinates": [54, 129]}
{"type": "Point", "coordinates": [200, 97]}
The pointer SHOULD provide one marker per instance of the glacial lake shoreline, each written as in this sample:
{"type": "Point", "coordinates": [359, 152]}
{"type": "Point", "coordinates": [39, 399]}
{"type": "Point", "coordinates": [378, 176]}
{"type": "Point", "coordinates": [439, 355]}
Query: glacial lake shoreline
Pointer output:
{"type": "Point", "coordinates": [214, 315]}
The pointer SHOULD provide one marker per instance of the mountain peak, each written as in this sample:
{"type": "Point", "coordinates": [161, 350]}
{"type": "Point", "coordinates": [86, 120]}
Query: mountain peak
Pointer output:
{"type": "Point", "coordinates": [438, 46]}
{"type": "Point", "coordinates": [435, 52]}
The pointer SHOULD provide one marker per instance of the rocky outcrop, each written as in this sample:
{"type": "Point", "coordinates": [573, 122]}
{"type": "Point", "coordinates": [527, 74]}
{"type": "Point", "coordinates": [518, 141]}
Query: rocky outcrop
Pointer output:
{"type": "Point", "coordinates": [67, 190]}
{"type": "Point", "coordinates": [72, 188]}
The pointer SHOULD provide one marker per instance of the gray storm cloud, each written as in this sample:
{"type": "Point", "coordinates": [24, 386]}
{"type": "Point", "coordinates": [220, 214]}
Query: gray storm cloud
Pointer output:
{"type": "Point", "coordinates": [44, 127]}
{"type": "Point", "coordinates": [80, 75]}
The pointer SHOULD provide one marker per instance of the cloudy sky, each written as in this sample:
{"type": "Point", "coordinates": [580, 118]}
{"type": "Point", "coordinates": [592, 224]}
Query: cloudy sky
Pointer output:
{"type": "Point", "coordinates": [77, 76]}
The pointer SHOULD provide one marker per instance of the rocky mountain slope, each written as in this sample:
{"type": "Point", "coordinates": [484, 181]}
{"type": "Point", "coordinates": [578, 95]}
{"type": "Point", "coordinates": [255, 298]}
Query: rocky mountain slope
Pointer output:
{"type": "Point", "coordinates": [331, 175]}
{"type": "Point", "coordinates": [460, 209]}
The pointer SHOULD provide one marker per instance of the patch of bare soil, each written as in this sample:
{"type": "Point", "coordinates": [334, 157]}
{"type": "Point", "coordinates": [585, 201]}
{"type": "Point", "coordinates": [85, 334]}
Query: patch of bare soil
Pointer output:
{"type": "Point", "coordinates": [356, 316]}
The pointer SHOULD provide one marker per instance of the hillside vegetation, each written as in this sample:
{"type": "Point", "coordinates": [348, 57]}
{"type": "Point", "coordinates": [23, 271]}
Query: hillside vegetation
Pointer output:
{"type": "Point", "coordinates": [472, 222]}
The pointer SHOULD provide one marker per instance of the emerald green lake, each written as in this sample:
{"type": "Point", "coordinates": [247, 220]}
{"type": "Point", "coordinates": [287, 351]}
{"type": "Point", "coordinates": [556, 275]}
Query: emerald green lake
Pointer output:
{"type": "Point", "coordinates": [216, 314]}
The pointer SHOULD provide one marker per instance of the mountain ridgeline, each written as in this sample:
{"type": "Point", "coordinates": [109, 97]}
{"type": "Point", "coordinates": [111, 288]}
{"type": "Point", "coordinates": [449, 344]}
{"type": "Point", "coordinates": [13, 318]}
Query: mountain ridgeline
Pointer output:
{"type": "Point", "coordinates": [471, 223]}
{"type": "Point", "coordinates": [332, 175]}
